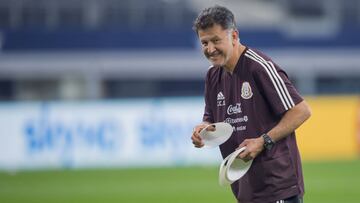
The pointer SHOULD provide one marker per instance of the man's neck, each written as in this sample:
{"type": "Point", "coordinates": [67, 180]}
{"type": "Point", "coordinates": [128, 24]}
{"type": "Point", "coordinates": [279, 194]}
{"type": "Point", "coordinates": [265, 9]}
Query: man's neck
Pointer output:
{"type": "Point", "coordinates": [239, 49]}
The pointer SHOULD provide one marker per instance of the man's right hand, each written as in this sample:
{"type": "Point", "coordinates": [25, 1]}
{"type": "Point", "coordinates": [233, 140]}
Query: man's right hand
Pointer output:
{"type": "Point", "coordinates": [196, 139]}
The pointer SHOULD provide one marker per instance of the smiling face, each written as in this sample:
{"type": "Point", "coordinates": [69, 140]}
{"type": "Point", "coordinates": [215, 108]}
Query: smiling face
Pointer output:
{"type": "Point", "coordinates": [218, 45]}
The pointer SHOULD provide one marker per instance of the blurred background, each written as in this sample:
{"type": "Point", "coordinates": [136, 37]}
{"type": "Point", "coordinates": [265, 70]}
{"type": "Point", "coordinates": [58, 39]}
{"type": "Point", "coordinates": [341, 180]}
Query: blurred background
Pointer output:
{"type": "Point", "coordinates": [98, 98]}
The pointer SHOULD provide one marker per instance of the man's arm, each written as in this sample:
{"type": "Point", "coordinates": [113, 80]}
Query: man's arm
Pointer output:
{"type": "Point", "coordinates": [291, 120]}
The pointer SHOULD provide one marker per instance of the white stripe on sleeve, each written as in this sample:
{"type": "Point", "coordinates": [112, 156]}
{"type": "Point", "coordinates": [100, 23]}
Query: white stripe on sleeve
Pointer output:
{"type": "Point", "coordinates": [271, 78]}
{"type": "Point", "coordinates": [279, 81]}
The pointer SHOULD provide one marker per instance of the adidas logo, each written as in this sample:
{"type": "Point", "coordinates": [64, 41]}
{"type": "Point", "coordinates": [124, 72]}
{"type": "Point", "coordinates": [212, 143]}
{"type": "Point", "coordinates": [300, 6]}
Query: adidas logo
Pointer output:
{"type": "Point", "coordinates": [220, 96]}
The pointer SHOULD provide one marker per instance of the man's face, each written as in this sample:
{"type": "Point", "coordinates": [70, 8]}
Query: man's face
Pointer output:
{"type": "Point", "coordinates": [217, 44]}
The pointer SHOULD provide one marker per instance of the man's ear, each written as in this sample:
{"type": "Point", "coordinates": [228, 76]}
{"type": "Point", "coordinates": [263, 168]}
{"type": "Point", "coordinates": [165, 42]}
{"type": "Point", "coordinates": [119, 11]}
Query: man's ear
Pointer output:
{"type": "Point", "coordinates": [235, 36]}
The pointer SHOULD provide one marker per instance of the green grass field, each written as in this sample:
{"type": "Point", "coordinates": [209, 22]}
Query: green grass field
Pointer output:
{"type": "Point", "coordinates": [326, 182]}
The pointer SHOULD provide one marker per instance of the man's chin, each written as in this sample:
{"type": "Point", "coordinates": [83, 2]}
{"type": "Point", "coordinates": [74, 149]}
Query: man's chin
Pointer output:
{"type": "Point", "coordinates": [216, 63]}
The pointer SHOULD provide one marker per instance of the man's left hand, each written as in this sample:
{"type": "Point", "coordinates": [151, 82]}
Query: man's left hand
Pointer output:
{"type": "Point", "coordinates": [253, 148]}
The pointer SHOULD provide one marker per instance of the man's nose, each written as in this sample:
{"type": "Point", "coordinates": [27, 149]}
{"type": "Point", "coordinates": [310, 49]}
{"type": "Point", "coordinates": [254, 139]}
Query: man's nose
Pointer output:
{"type": "Point", "coordinates": [211, 48]}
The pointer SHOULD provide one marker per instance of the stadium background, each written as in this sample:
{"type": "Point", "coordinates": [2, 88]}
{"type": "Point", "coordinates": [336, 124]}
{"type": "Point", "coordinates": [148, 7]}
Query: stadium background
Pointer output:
{"type": "Point", "coordinates": [98, 97]}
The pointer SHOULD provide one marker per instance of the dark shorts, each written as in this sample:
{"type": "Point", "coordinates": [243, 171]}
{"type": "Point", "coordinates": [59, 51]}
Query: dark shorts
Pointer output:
{"type": "Point", "coordinates": [294, 199]}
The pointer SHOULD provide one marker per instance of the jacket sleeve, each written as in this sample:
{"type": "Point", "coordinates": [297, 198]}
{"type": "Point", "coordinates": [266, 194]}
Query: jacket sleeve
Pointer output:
{"type": "Point", "coordinates": [276, 87]}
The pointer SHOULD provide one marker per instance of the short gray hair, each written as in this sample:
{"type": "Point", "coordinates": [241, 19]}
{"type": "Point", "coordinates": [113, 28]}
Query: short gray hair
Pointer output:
{"type": "Point", "coordinates": [214, 15]}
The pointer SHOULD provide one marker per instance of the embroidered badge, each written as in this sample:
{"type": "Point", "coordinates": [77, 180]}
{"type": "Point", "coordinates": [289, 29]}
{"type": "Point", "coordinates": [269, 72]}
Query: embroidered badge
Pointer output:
{"type": "Point", "coordinates": [246, 91]}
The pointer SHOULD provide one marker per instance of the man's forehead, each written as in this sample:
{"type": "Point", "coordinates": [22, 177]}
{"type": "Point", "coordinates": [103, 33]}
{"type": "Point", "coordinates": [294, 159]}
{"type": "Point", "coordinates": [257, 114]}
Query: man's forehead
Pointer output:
{"type": "Point", "coordinates": [211, 32]}
{"type": "Point", "coordinates": [208, 36]}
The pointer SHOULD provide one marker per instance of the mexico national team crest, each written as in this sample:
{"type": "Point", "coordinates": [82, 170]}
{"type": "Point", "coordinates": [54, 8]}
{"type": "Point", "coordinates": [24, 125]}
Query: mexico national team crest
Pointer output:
{"type": "Point", "coordinates": [246, 91]}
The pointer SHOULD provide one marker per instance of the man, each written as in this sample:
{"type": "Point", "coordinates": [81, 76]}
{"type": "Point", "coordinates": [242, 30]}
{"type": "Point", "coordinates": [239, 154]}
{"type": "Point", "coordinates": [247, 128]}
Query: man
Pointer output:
{"type": "Point", "coordinates": [245, 88]}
